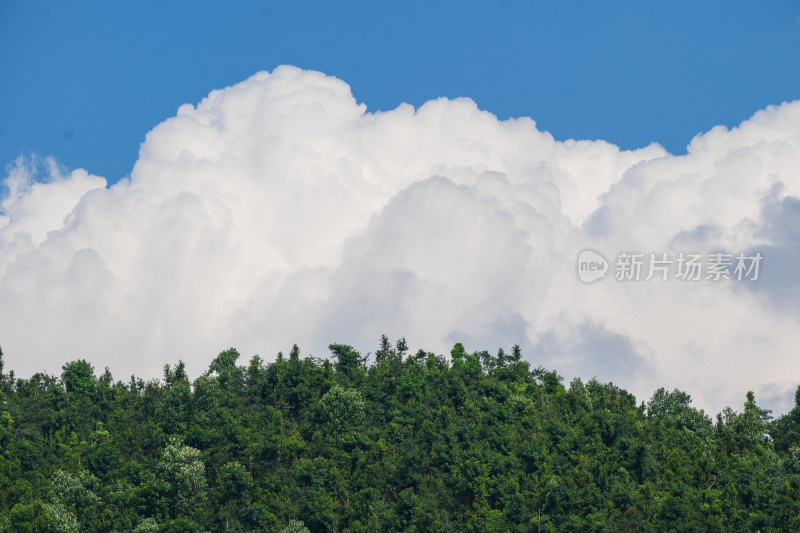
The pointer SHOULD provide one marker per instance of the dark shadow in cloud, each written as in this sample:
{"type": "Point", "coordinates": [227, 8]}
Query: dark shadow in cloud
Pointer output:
{"type": "Point", "coordinates": [588, 351]}
{"type": "Point", "coordinates": [700, 239]}
{"type": "Point", "coordinates": [502, 332]}
{"type": "Point", "coordinates": [779, 279]}
{"type": "Point", "coordinates": [599, 222]}
{"type": "Point", "coordinates": [778, 398]}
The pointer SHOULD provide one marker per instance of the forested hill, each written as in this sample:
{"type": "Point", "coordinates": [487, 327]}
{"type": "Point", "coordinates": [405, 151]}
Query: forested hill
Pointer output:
{"type": "Point", "coordinates": [398, 441]}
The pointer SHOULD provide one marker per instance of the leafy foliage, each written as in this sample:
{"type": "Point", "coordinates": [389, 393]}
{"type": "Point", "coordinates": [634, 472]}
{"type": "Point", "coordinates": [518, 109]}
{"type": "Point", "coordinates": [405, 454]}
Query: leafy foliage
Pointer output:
{"type": "Point", "coordinates": [407, 442]}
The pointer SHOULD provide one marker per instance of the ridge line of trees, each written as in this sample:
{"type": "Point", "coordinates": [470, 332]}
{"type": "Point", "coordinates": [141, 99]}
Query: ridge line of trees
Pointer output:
{"type": "Point", "coordinates": [391, 441]}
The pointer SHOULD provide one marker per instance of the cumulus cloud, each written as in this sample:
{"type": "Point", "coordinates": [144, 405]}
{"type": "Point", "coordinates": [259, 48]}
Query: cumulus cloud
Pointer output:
{"type": "Point", "coordinates": [280, 210]}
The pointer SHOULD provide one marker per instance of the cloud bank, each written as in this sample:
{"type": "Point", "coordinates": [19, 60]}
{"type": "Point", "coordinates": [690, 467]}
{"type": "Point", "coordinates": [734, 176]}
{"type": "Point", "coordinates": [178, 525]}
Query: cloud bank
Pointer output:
{"type": "Point", "coordinates": [280, 210]}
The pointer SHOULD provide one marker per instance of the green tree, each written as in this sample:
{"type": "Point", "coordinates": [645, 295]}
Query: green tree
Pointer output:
{"type": "Point", "coordinates": [343, 413]}
{"type": "Point", "coordinates": [78, 377]}
{"type": "Point", "coordinates": [235, 483]}
{"type": "Point", "coordinates": [295, 526]}
{"type": "Point", "coordinates": [183, 470]}
{"type": "Point", "coordinates": [349, 364]}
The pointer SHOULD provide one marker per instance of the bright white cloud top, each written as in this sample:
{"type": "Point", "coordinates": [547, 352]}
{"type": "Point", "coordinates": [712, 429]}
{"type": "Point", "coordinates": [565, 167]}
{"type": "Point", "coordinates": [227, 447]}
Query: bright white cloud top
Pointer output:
{"type": "Point", "coordinates": [280, 210]}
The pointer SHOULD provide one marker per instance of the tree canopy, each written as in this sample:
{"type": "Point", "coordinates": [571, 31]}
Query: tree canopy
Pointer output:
{"type": "Point", "coordinates": [402, 441]}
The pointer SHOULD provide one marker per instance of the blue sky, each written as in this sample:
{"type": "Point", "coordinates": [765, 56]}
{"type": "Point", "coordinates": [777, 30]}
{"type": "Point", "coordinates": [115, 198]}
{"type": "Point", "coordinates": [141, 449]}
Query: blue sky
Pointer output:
{"type": "Point", "coordinates": [278, 212]}
{"type": "Point", "coordinates": [85, 81]}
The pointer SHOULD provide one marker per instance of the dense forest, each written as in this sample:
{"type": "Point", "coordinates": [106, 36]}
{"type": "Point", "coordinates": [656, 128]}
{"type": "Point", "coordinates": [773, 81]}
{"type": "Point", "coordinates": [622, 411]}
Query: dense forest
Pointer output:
{"type": "Point", "coordinates": [392, 441]}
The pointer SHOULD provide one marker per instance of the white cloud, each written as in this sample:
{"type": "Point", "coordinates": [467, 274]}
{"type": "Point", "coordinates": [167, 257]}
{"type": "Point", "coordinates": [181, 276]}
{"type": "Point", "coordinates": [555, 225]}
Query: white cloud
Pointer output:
{"type": "Point", "coordinates": [279, 210]}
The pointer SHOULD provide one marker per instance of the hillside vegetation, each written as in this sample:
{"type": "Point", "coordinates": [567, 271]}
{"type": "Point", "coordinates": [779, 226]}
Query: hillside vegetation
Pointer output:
{"type": "Point", "coordinates": [397, 441]}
